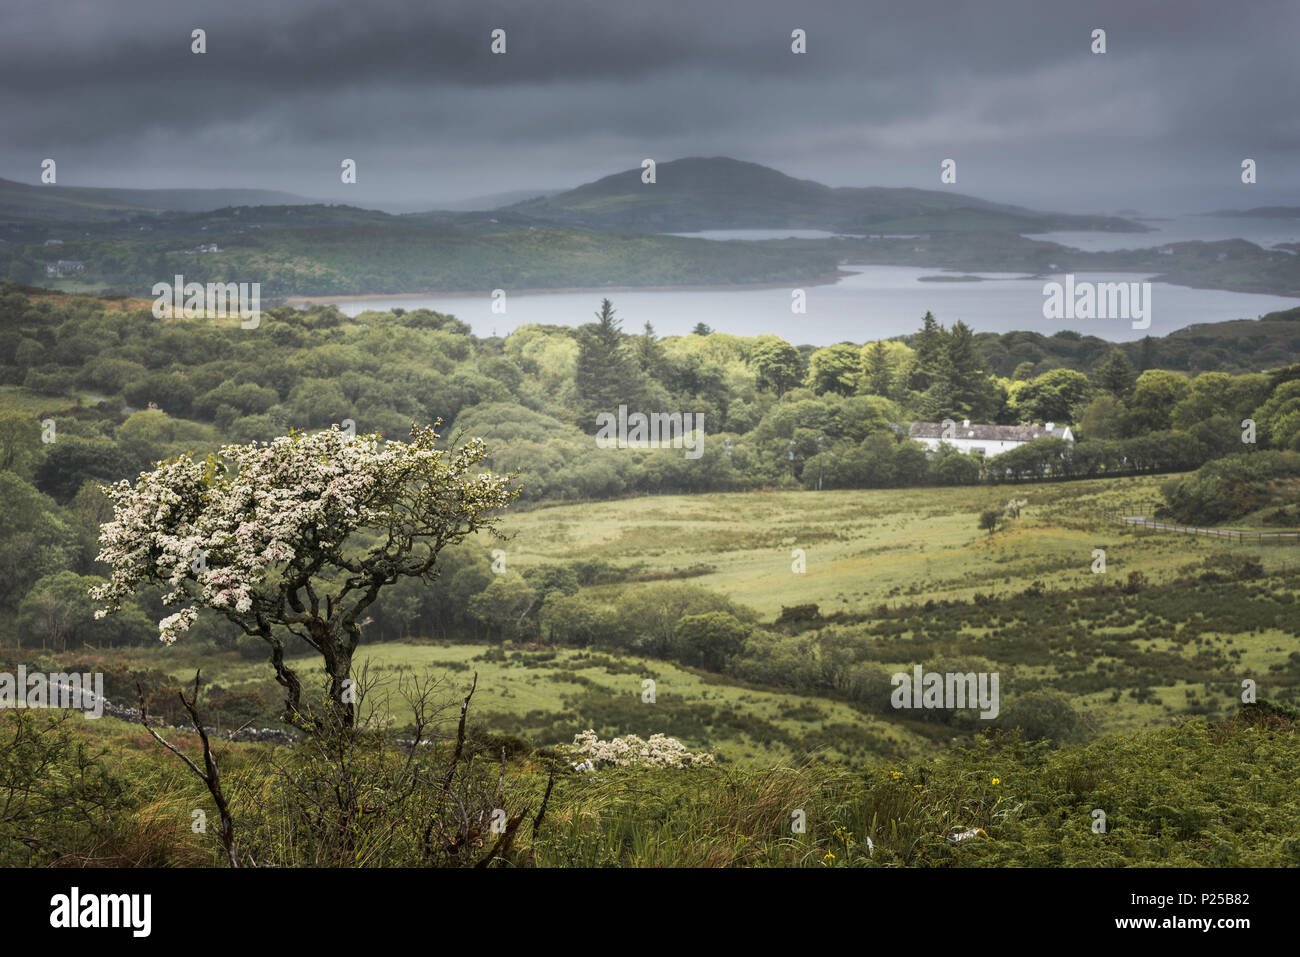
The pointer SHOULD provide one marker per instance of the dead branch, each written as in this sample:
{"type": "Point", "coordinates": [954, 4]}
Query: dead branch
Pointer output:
{"type": "Point", "coordinates": [211, 776]}
{"type": "Point", "coordinates": [541, 811]}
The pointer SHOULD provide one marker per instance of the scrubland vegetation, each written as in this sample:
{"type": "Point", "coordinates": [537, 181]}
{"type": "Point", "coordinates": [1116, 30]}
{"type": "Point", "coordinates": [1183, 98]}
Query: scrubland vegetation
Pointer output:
{"type": "Point", "coordinates": [1197, 793]}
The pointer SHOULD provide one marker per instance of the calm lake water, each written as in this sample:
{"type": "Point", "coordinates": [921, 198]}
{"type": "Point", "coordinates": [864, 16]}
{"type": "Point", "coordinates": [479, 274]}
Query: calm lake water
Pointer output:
{"type": "Point", "coordinates": [724, 234]}
{"type": "Point", "coordinates": [1173, 229]}
{"type": "Point", "coordinates": [874, 302]}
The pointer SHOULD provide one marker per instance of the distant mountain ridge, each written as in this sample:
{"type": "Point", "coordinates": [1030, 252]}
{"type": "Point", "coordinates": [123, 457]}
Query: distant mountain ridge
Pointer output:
{"type": "Point", "coordinates": [606, 233]}
{"type": "Point", "coordinates": [24, 203]}
{"type": "Point", "coordinates": [496, 200]}
{"type": "Point", "coordinates": [1260, 212]}
{"type": "Point", "coordinates": [698, 193]}
{"type": "Point", "coordinates": [689, 195]}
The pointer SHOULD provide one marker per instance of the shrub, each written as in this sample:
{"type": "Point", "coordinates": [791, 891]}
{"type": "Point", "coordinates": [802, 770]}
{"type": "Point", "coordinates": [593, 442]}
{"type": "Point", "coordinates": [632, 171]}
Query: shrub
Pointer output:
{"type": "Point", "coordinates": [1234, 486]}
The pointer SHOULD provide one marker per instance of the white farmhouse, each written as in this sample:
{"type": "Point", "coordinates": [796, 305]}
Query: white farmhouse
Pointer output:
{"type": "Point", "coordinates": [990, 440]}
{"type": "Point", "coordinates": [64, 267]}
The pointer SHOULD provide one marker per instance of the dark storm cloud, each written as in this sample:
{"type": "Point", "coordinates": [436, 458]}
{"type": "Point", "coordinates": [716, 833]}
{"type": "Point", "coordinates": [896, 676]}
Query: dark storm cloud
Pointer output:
{"type": "Point", "coordinates": [411, 91]}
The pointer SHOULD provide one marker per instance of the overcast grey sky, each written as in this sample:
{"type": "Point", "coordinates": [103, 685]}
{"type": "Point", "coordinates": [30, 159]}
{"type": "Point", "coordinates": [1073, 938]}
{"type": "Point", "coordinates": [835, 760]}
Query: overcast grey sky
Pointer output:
{"type": "Point", "coordinates": [886, 91]}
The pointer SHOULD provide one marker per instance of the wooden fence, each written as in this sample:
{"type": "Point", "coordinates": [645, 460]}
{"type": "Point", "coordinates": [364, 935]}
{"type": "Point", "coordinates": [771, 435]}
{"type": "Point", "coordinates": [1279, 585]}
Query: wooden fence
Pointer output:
{"type": "Point", "coordinates": [1135, 516]}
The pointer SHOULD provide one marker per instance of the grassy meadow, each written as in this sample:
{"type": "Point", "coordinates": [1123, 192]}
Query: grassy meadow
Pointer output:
{"type": "Point", "coordinates": [906, 573]}
{"type": "Point", "coordinates": [865, 548]}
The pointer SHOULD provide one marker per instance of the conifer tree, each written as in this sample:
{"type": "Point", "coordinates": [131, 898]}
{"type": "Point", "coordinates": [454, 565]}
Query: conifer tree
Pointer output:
{"type": "Point", "coordinates": [879, 372]}
{"type": "Point", "coordinates": [606, 376]}
{"type": "Point", "coordinates": [929, 346]}
{"type": "Point", "coordinates": [1116, 374]}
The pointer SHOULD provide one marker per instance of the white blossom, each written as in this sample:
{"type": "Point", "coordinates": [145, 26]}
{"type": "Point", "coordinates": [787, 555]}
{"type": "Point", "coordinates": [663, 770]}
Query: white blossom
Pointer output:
{"type": "Point", "coordinates": [255, 510]}
{"type": "Point", "coordinates": [630, 750]}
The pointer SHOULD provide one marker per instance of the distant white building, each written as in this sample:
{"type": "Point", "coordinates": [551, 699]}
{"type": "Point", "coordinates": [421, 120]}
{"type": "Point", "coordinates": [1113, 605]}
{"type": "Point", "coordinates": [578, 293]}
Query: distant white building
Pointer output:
{"type": "Point", "coordinates": [64, 267]}
{"type": "Point", "coordinates": [990, 440]}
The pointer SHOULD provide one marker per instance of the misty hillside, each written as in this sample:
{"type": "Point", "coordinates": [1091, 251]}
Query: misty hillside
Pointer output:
{"type": "Point", "coordinates": [24, 203]}
{"type": "Point", "coordinates": [722, 193]}
{"type": "Point", "coordinates": [1261, 212]}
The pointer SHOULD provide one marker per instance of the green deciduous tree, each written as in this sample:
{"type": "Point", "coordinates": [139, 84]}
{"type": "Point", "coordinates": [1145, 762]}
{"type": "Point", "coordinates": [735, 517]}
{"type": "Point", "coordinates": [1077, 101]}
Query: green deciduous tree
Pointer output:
{"type": "Point", "coordinates": [778, 364]}
{"type": "Point", "coordinates": [1052, 397]}
{"type": "Point", "coordinates": [708, 640]}
{"type": "Point", "coordinates": [20, 442]}
{"type": "Point", "coordinates": [834, 369]}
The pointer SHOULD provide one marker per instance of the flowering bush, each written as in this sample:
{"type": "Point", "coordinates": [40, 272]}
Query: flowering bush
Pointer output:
{"type": "Point", "coordinates": [630, 750]}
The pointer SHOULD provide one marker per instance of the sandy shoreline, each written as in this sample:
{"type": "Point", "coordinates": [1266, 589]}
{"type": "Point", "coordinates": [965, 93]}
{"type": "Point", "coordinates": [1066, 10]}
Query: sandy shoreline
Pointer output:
{"type": "Point", "coordinates": [733, 287]}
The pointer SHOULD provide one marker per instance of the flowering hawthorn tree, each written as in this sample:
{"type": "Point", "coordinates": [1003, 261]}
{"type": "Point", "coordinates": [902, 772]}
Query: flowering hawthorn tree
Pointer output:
{"type": "Point", "coordinates": [296, 536]}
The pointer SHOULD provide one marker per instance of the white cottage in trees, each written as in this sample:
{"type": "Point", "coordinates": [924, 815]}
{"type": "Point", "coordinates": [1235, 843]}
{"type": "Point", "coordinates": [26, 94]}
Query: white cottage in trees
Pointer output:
{"type": "Point", "coordinates": [991, 440]}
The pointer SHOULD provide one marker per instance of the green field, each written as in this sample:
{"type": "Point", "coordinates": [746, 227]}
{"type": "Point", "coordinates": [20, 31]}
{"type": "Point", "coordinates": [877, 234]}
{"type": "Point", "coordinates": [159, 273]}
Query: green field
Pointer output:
{"type": "Point", "coordinates": [550, 697]}
{"type": "Point", "coordinates": [1125, 661]}
{"type": "Point", "coordinates": [865, 548]}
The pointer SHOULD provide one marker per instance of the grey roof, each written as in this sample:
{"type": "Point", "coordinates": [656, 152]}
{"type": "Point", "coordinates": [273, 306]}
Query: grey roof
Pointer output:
{"type": "Point", "coordinates": [986, 433]}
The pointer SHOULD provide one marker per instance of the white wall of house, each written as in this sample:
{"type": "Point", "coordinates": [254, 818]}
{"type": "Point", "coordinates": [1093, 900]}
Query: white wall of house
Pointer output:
{"type": "Point", "coordinates": [990, 447]}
